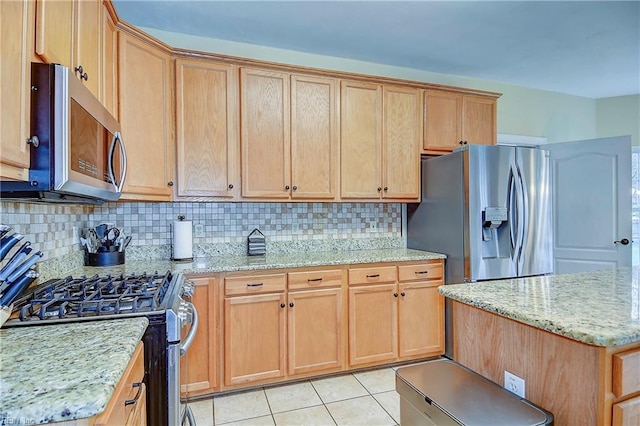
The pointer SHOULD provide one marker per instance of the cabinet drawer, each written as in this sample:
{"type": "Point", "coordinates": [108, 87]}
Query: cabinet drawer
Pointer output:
{"type": "Point", "coordinates": [422, 271]}
{"type": "Point", "coordinates": [379, 274]}
{"type": "Point", "coordinates": [315, 279]}
{"type": "Point", "coordinates": [627, 413]}
{"type": "Point", "coordinates": [129, 388]}
{"type": "Point", "coordinates": [626, 372]}
{"type": "Point", "coordinates": [254, 284]}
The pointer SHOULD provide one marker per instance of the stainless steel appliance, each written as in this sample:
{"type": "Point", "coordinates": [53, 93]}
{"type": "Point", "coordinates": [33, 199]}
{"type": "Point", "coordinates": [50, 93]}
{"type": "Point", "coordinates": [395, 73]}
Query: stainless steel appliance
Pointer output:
{"type": "Point", "coordinates": [488, 208]}
{"type": "Point", "coordinates": [77, 152]}
{"type": "Point", "coordinates": [158, 297]}
{"type": "Point", "coordinates": [443, 392]}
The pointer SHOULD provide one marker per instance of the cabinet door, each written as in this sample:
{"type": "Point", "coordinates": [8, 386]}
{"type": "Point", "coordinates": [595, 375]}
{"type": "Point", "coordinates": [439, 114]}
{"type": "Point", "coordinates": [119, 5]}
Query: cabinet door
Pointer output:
{"type": "Point", "coordinates": [315, 330]}
{"type": "Point", "coordinates": [313, 137]}
{"type": "Point", "coordinates": [206, 138]}
{"type": "Point", "coordinates": [443, 127]}
{"type": "Point", "coordinates": [361, 140]}
{"type": "Point", "coordinates": [421, 319]}
{"type": "Point", "coordinates": [373, 324]}
{"type": "Point", "coordinates": [145, 118]}
{"type": "Point", "coordinates": [14, 88]}
{"type": "Point", "coordinates": [402, 141]}
{"type": "Point", "coordinates": [109, 64]}
{"type": "Point", "coordinates": [265, 133]}
{"type": "Point", "coordinates": [54, 31]}
{"type": "Point", "coordinates": [627, 413]}
{"type": "Point", "coordinates": [198, 366]}
{"type": "Point", "coordinates": [88, 43]}
{"type": "Point", "coordinates": [254, 338]}
{"type": "Point", "coordinates": [479, 120]}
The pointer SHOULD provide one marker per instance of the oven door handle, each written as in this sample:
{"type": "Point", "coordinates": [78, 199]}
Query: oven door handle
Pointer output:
{"type": "Point", "coordinates": [184, 347]}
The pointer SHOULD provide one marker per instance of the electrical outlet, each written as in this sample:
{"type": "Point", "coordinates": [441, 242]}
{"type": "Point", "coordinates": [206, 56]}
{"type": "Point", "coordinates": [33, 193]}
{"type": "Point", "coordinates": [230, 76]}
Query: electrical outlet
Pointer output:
{"type": "Point", "coordinates": [514, 384]}
{"type": "Point", "coordinates": [199, 230]}
{"type": "Point", "coordinates": [373, 224]}
{"type": "Point", "coordinates": [76, 237]}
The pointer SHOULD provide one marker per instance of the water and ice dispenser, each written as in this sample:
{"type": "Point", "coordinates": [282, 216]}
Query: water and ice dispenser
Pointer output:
{"type": "Point", "coordinates": [495, 232]}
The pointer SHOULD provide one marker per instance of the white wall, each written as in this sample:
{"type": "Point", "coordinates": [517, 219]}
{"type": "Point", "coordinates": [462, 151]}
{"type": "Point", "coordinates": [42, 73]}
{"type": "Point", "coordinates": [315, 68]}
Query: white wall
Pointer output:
{"type": "Point", "coordinates": [522, 111]}
{"type": "Point", "coordinates": [619, 116]}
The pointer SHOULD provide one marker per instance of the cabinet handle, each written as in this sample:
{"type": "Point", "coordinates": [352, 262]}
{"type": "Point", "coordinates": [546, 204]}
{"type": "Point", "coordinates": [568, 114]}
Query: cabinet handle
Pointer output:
{"type": "Point", "coordinates": [282, 305]}
{"type": "Point", "coordinates": [379, 189]}
{"type": "Point", "coordinates": [402, 294]}
{"type": "Point", "coordinates": [295, 188]}
{"type": "Point", "coordinates": [373, 276]}
{"type": "Point", "coordinates": [255, 285]}
{"type": "Point", "coordinates": [230, 186]}
{"type": "Point", "coordinates": [395, 294]}
{"type": "Point", "coordinates": [287, 187]}
{"type": "Point", "coordinates": [291, 305]}
{"type": "Point", "coordinates": [170, 183]}
{"type": "Point", "coordinates": [310, 280]}
{"type": "Point", "coordinates": [421, 272]}
{"type": "Point", "coordinates": [135, 398]}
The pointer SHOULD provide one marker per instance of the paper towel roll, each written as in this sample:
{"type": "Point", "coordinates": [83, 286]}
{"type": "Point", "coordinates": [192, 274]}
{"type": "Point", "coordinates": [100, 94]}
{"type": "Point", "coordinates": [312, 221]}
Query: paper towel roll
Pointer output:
{"type": "Point", "coordinates": [182, 240]}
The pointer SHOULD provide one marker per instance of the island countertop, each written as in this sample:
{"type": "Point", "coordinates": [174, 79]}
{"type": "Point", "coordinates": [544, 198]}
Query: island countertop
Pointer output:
{"type": "Point", "coordinates": [600, 308]}
{"type": "Point", "coordinates": [62, 372]}
{"type": "Point", "coordinates": [270, 261]}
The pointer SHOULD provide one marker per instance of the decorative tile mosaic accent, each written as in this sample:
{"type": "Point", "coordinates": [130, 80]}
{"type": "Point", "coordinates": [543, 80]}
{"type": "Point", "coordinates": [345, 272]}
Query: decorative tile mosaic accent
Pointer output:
{"type": "Point", "coordinates": [225, 226]}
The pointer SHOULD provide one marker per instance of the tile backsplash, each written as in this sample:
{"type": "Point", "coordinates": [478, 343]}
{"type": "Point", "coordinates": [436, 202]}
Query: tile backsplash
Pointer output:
{"type": "Point", "coordinates": [305, 225]}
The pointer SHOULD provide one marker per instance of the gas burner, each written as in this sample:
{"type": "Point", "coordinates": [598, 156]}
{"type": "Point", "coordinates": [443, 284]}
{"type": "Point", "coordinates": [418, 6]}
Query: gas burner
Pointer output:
{"type": "Point", "coordinates": [96, 296]}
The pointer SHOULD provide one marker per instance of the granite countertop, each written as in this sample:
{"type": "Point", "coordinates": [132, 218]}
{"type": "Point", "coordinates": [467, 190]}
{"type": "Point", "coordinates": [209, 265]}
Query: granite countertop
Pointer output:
{"type": "Point", "coordinates": [269, 261]}
{"type": "Point", "coordinates": [66, 371]}
{"type": "Point", "coordinates": [599, 308]}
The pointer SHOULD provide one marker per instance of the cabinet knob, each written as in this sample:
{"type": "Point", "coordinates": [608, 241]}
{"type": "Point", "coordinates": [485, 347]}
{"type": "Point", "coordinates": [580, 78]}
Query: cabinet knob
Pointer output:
{"type": "Point", "coordinates": [230, 186]}
{"type": "Point", "coordinates": [461, 143]}
{"type": "Point", "coordinates": [386, 188]}
{"type": "Point", "coordinates": [291, 305]}
{"type": "Point", "coordinates": [83, 75]}
{"type": "Point", "coordinates": [295, 188]}
{"type": "Point", "coordinates": [395, 294]}
{"type": "Point", "coordinates": [379, 189]}
{"type": "Point", "coordinates": [402, 294]}
{"type": "Point", "coordinates": [33, 141]}
{"type": "Point", "coordinates": [170, 183]}
{"type": "Point", "coordinates": [287, 187]}
{"type": "Point", "coordinates": [282, 305]}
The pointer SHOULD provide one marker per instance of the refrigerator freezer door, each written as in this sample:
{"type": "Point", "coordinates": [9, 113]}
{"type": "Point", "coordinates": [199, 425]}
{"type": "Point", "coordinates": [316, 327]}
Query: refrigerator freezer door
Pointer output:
{"type": "Point", "coordinates": [536, 254]}
{"type": "Point", "coordinates": [488, 212]}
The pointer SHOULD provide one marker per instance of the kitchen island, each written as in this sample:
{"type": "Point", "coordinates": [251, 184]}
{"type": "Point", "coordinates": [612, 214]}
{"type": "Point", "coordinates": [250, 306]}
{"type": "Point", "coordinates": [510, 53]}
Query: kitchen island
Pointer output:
{"type": "Point", "coordinates": [64, 372]}
{"type": "Point", "coordinates": [573, 338]}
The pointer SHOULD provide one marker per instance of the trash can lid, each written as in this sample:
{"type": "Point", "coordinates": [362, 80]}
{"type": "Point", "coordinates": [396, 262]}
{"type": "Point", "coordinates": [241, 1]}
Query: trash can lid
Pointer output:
{"type": "Point", "coordinates": [468, 397]}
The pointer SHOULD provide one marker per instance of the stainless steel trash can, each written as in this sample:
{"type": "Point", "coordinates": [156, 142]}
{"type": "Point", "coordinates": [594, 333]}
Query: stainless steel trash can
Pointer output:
{"type": "Point", "coordinates": [443, 392]}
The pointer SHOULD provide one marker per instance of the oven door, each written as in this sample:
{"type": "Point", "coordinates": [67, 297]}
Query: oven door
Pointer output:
{"type": "Point", "coordinates": [187, 315]}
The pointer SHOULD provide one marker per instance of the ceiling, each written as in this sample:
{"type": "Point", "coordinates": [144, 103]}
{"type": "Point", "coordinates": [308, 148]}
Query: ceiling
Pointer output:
{"type": "Point", "coordinates": [589, 49]}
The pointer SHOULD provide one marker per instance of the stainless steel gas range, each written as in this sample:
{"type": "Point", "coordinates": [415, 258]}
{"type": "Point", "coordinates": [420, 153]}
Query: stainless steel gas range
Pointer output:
{"type": "Point", "coordinates": [159, 297]}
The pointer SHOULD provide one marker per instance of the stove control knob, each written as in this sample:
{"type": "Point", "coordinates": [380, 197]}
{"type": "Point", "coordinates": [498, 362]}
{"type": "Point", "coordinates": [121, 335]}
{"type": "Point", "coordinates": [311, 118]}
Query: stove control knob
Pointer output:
{"type": "Point", "coordinates": [188, 289]}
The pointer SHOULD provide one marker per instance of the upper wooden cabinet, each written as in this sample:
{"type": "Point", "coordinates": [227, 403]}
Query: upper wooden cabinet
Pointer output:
{"type": "Point", "coordinates": [16, 29]}
{"type": "Point", "coordinates": [381, 132]}
{"type": "Point", "coordinates": [288, 137]}
{"type": "Point", "coordinates": [69, 33]}
{"type": "Point", "coordinates": [453, 119]}
{"type": "Point", "coordinates": [109, 64]}
{"type": "Point", "coordinates": [206, 122]}
{"type": "Point", "coordinates": [146, 118]}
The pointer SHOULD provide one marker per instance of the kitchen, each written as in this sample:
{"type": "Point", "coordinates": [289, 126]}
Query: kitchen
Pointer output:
{"type": "Point", "coordinates": [301, 226]}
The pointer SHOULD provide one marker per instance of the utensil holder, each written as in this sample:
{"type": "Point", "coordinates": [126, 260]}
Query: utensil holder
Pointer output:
{"type": "Point", "coordinates": [107, 258]}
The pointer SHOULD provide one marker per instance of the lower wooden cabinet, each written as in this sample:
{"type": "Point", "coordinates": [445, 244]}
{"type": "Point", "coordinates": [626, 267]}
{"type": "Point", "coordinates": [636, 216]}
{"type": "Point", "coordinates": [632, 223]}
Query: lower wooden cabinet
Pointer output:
{"type": "Point", "coordinates": [264, 327]}
{"type": "Point", "coordinates": [198, 372]}
{"type": "Point", "coordinates": [254, 338]}
{"type": "Point", "coordinates": [314, 331]}
{"type": "Point", "coordinates": [128, 404]}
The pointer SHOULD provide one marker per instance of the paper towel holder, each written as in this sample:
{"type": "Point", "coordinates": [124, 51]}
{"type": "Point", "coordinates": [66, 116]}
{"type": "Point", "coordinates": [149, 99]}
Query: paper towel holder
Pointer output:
{"type": "Point", "coordinates": [181, 218]}
{"type": "Point", "coordinates": [256, 243]}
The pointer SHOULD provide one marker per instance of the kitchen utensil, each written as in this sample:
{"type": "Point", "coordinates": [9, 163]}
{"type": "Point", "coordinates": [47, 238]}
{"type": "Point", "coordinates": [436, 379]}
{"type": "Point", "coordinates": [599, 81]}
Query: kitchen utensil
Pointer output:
{"type": "Point", "coordinates": [7, 243]}
{"type": "Point", "coordinates": [18, 287]}
{"type": "Point", "coordinates": [127, 241]}
{"type": "Point", "coordinates": [24, 267]}
{"type": "Point", "coordinates": [101, 230]}
{"type": "Point", "coordinates": [15, 260]}
{"type": "Point", "coordinates": [4, 229]}
{"type": "Point", "coordinates": [111, 235]}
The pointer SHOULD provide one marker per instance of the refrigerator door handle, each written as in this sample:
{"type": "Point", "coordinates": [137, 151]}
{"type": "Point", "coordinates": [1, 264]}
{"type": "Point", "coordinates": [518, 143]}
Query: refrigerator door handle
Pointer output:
{"type": "Point", "coordinates": [512, 208]}
{"type": "Point", "coordinates": [522, 208]}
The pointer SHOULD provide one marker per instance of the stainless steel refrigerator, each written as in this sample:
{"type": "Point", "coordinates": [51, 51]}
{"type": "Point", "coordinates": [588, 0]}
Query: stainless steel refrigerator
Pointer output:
{"type": "Point", "coordinates": [488, 208]}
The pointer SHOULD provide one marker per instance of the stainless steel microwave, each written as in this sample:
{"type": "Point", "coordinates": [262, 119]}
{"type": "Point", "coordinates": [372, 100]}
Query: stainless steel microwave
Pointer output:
{"type": "Point", "coordinates": [77, 152]}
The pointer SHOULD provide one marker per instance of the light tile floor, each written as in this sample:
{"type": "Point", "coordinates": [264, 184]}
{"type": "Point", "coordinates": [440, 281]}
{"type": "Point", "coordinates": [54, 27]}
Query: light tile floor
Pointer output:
{"type": "Point", "coordinates": [367, 398]}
